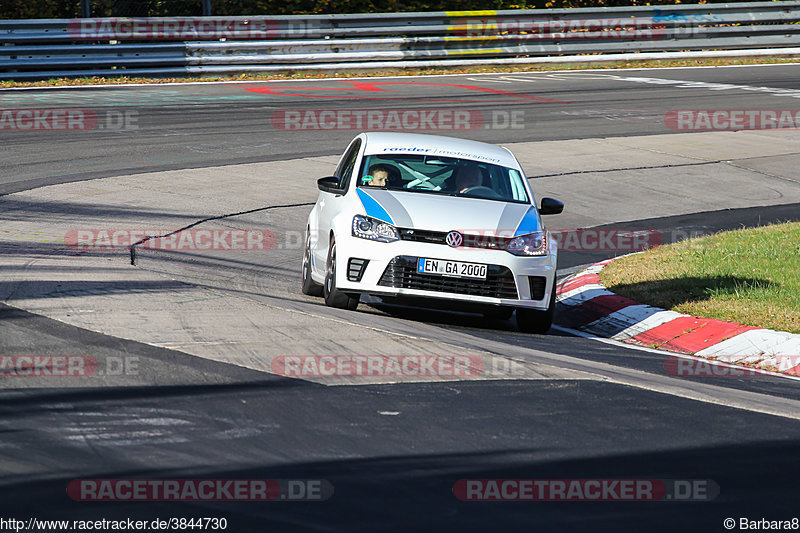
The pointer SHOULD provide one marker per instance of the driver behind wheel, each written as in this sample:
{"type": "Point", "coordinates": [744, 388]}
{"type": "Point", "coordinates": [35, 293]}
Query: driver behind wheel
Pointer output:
{"type": "Point", "coordinates": [382, 175]}
{"type": "Point", "coordinates": [469, 176]}
{"type": "Point", "coordinates": [377, 176]}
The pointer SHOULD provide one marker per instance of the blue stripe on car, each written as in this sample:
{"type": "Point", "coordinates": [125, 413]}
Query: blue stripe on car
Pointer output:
{"type": "Point", "coordinates": [373, 208]}
{"type": "Point", "coordinates": [529, 223]}
{"type": "Point", "coordinates": [391, 204]}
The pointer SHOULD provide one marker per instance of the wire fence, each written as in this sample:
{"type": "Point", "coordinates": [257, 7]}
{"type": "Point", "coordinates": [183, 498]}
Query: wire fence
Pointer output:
{"type": "Point", "coordinates": [44, 9]}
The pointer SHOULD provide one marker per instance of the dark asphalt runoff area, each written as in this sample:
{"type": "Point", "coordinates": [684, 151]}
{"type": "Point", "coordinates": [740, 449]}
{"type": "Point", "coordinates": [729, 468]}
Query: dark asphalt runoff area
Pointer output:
{"type": "Point", "coordinates": [392, 455]}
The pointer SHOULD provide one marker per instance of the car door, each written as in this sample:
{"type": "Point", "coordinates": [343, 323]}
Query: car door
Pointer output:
{"type": "Point", "coordinates": [331, 204]}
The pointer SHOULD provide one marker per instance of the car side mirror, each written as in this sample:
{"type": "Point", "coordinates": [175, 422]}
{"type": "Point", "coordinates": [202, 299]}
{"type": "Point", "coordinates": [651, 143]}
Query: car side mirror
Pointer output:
{"type": "Point", "coordinates": [551, 206]}
{"type": "Point", "coordinates": [329, 184]}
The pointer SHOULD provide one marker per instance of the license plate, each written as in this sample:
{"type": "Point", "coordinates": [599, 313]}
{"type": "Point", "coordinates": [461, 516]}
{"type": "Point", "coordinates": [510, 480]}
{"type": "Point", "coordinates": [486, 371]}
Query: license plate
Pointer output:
{"type": "Point", "coordinates": [455, 269]}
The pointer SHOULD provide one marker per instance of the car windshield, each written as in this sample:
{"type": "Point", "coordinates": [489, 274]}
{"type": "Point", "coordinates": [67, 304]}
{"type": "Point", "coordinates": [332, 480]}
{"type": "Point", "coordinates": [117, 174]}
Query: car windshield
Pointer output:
{"type": "Point", "coordinates": [442, 175]}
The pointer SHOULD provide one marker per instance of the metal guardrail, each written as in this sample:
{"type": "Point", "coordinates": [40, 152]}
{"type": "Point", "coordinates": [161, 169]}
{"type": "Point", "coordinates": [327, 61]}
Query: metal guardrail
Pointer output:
{"type": "Point", "coordinates": [40, 49]}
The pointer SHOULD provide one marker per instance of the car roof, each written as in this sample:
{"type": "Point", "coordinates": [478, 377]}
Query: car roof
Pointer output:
{"type": "Point", "coordinates": [416, 143]}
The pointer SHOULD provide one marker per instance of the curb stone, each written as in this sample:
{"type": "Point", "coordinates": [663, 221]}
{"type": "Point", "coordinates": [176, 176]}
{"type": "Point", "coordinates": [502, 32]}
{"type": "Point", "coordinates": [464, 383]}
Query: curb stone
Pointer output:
{"type": "Point", "coordinates": [585, 304]}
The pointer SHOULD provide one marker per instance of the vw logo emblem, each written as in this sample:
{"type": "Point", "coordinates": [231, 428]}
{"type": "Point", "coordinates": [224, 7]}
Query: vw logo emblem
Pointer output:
{"type": "Point", "coordinates": [454, 239]}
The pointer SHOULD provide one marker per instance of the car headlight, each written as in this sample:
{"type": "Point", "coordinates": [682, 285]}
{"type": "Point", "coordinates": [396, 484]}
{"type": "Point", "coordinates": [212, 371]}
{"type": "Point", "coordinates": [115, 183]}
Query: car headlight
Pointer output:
{"type": "Point", "coordinates": [374, 229]}
{"type": "Point", "coordinates": [529, 244]}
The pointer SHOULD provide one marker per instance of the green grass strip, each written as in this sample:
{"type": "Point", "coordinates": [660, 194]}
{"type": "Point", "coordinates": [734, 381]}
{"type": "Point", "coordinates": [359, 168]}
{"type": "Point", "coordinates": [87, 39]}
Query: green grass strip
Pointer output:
{"type": "Point", "coordinates": [749, 276]}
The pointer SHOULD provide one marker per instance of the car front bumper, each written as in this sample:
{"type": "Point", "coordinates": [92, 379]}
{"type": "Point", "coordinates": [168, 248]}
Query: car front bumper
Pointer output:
{"type": "Point", "coordinates": [389, 269]}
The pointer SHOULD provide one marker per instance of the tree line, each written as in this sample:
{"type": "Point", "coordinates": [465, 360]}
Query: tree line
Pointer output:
{"type": "Point", "coordinates": [38, 9]}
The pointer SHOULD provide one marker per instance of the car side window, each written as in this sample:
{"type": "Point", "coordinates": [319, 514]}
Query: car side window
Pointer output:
{"type": "Point", "coordinates": [345, 169]}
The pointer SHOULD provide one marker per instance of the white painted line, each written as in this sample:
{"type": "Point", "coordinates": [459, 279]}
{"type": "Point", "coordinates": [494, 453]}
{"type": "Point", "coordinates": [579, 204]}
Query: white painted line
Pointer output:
{"type": "Point", "coordinates": [582, 294]}
{"type": "Point", "coordinates": [594, 269]}
{"type": "Point", "coordinates": [479, 74]}
{"type": "Point", "coordinates": [689, 84]}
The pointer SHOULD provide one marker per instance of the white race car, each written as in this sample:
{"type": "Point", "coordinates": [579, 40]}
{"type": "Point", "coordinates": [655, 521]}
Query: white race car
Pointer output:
{"type": "Point", "coordinates": [432, 220]}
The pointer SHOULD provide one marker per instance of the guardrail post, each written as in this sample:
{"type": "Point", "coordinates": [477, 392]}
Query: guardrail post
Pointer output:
{"type": "Point", "coordinates": [206, 8]}
{"type": "Point", "coordinates": [86, 9]}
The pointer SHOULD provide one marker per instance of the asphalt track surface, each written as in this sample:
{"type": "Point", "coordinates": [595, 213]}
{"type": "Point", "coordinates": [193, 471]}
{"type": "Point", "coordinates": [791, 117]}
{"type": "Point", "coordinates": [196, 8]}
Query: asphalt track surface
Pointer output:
{"type": "Point", "coordinates": [187, 417]}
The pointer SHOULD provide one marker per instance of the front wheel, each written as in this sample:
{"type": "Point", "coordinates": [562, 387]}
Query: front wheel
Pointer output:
{"type": "Point", "coordinates": [333, 296]}
{"type": "Point", "coordinates": [536, 321]}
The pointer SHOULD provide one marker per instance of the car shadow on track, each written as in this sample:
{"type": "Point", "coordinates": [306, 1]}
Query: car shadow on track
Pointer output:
{"type": "Point", "coordinates": [438, 317]}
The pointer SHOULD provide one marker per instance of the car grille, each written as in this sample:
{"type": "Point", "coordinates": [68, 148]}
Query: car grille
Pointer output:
{"type": "Point", "coordinates": [420, 235]}
{"type": "Point", "coordinates": [401, 273]}
{"type": "Point", "coordinates": [438, 237]}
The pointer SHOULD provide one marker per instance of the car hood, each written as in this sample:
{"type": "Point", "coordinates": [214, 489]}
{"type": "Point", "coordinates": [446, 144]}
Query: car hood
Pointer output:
{"type": "Point", "coordinates": [436, 212]}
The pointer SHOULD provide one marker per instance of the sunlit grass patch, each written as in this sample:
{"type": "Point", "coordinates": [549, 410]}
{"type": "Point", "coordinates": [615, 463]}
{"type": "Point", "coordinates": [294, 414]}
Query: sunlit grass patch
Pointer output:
{"type": "Point", "coordinates": [749, 276]}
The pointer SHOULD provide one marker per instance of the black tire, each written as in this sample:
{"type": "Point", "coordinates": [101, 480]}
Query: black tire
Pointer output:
{"type": "Point", "coordinates": [535, 321]}
{"type": "Point", "coordinates": [310, 287]}
{"type": "Point", "coordinates": [498, 312]}
{"type": "Point", "coordinates": [333, 296]}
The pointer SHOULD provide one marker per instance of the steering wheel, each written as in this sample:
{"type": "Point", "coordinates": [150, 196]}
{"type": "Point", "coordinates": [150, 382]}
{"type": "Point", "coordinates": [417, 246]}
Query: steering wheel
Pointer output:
{"type": "Point", "coordinates": [482, 190]}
